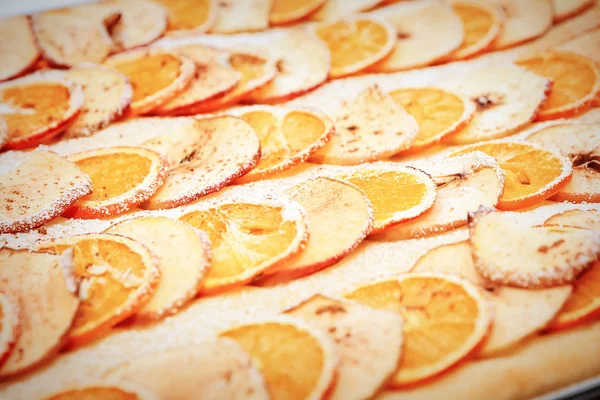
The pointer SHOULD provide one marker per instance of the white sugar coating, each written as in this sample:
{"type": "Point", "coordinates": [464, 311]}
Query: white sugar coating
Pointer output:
{"type": "Point", "coordinates": [370, 261]}
{"type": "Point", "coordinates": [10, 160]}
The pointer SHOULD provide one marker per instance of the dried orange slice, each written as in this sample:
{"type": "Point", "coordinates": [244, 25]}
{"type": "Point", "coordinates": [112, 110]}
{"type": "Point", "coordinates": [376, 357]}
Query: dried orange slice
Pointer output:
{"type": "Point", "coordinates": [43, 288]}
{"type": "Point", "coordinates": [296, 360]}
{"type": "Point", "coordinates": [140, 23]}
{"type": "Point", "coordinates": [19, 54]}
{"type": "Point", "coordinates": [288, 136]}
{"type": "Point", "coordinates": [122, 178]}
{"type": "Point", "coordinates": [186, 15]}
{"type": "Point", "coordinates": [355, 43]}
{"type": "Point", "coordinates": [525, 20]}
{"type": "Point", "coordinates": [10, 325]}
{"type": "Point", "coordinates": [248, 239]}
{"type": "Point", "coordinates": [576, 82]}
{"type": "Point", "coordinates": [38, 106]}
{"type": "Point", "coordinates": [339, 217]}
{"type": "Point", "coordinates": [533, 173]}
{"type": "Point", "coordinates": [518, 313]}
{"type": "Point", "coordinates": [117, 275]}
{"type": "Point", "coordinates": [508, 251]}
{"type": "Point", "coordinates": [70, 36]}
{"type": "Point", "coordinates": [564, 9]}
{"type": "Point", "coordinates": [506, 99]}
{"type": "Point", "coordinates": [155, 75]}
{"type": "Point", "coordinates": [445, 320]}
{"type": "Point", "coordinates": [584, 303]}
{"type": "Point", "coordinates": [38, 189]}
{"type": "Point", "coordinates": [107, 95]}
{"type": "Point", "coordinates": [397, 193]}
{"type": "Point", "coordinates": [104, 390]}
{"type": "Point", "coordinates": [416, 43]}
{"type": "Point", "coordinates": [216, 368]}
{"type": "Point", "coordinates": [339, 8]}
{"type": "Point", "coordinates": [482, 22]}
{"type": "Point", "coordinates": [462, 185]}
{"type": "Point", "coordinates": [213, 79]}
{"type": "Point", "coordinates": [181, 277]}
{"type": "Point", "coordinates": [285, 11]}
{"type": "Point", "coordinates": [203, 157]}
{"type": "Point", "coordinates": [242, 16]}
{"type": "Point", "coordinates": [439, 114]}
{"type": "Point", "coordinates": [371, 127]}
{"type": "Point", "coordinates": [368, 341]}
{"type": "Point", "coordinates": [588, 219]}
{"type": "Point", "coordinates": [255, 72]}
{"type": "Point", "coordinates": [581, 143]}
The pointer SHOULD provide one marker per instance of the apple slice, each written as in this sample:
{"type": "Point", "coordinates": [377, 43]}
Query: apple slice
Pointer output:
{"type": "Point", "coordinates": [371, 127]}
{"type": "Point", "coordinates": [107, 95]}
{"type": "Point", "coordinates": [368, 341]}
{"type": "Point", "coordinates": [39, 188]}
{"type": "Point", "coordinates": [183, 258]}
{"type": "Point", "coordinates": [333, 9]}
{"type": "Point", "coordinates": [141, 22]}
{"type": "Point", "coordinates": [10, 324]}
{"type": "Point", "coordinates": [584, 303]}
{"type": "Point", "coordinates": [213, 79]}
{"type": "Point", "coordinates": [588, 219]}
{"type": "Point", "coordinates": [240, 16]}
{"type": "Point", "coordinates": [214, 369]}
{"type": "Point", "coordinates": [203, 160]}
{"type": "Point", "coordinates": [581, 142]}
{"type": "Point", "coordinates": [418, 43]}
{"type": "Point", "coordinates": [70, 36]}
{"type": "Point", "coordinates": [507, 98]}
{"type": "Point", "coordinates": [508, 251]}
{"type": "Point", "coordinates": [41, 284]}
{"type": "Point", "coordinates": [526, 20]}
{"type": "Point", "coordinates": [586, 44]}
{"type": "Point", "coordinates": [20, 52]}
{"type": "Point", "coordinates": [339, 216]}
{"type": "Point", "coordinates": [518, 313]}
{"type": "Point", "coordinates": [564, 9]}
{"type": "Point", "coordinates": [463, 184]}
